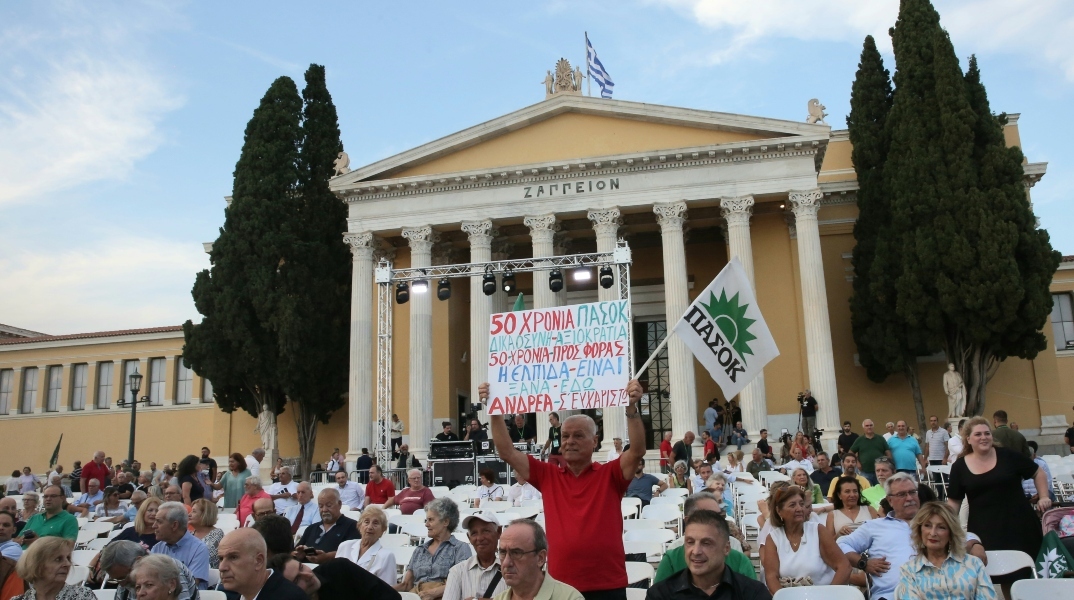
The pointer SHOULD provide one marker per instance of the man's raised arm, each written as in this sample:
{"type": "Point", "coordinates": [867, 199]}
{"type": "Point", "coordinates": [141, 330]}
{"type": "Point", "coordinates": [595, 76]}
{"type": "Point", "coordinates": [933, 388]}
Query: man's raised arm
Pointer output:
{"type": "Point", "coordinates": [628, 460]}
{"type": "Point", "coordinates": [500, 436]}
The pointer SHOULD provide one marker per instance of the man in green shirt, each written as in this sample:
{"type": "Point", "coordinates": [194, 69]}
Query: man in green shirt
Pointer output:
{"type": "Point", "coordinates": [868, 448]}
{"type": "Point", "coordinates": [674, 559]}
{"type": "Point", "coordinates": [758, 464]}
{"type": "Point", "coordinates": [1005, 437]}
{"type": "Point", "coordinates": [53, 522]}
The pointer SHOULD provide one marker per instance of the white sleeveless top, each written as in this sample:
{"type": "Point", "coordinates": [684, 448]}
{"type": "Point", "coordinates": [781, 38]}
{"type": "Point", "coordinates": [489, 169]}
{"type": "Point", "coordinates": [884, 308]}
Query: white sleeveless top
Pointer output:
{"type": "Point", "coordinates": [840, 520]}
{"type": "Point", "coordinates": [807, 561]}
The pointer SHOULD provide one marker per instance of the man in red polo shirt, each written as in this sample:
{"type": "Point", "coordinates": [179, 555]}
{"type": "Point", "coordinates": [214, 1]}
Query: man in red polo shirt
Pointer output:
{"type": "Point", "coordinates": [96, 469]}
{"type": "Point", "coordinates": [582, 499]}
{"type": "Point", "coordinates": [379, 488]}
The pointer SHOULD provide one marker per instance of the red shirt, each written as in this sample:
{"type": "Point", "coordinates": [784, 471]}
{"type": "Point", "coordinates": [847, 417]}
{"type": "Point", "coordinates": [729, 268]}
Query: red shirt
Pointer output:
{"type": "Point", "coordinates": [584, 523]}
{"type": "Point", "coordinates": [665, 450]}
{"type": "Point", "coordinates": [100, 472]}
{"type": "Point", "coordinates": [409, 501]}
{"type": "Point", "coordinates": [710, 448]}
{"type": "Point", "coordinates": [378, 493]}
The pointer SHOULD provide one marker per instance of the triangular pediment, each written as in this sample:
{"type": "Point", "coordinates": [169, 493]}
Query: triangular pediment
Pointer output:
{"type": "Point", "coordinates": [568, 128]}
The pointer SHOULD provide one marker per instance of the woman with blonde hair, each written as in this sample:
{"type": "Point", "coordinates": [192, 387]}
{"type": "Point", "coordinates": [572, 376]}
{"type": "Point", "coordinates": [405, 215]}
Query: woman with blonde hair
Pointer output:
{"type": "Point", "coordinates": [203, 520]}
{"type": "Point", "coordinates": [734, 462]}
{"type": "Point", "coordinates": [941, 567]}
{"type": "Point", "coordinates": [45, 565]}
{"type": "Point", "coordinates": [143, 531]}
{"type": "Point", "coordinates": [368, 552]}
{"type": "Point", "coordinates": [799, 551]}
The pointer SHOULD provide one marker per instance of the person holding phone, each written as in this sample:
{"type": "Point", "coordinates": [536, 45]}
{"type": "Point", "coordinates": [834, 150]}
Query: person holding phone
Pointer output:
{"type": "Point", "coordinates": [55, 521]}
{"type": "Point", "coordinates": [320, 541]}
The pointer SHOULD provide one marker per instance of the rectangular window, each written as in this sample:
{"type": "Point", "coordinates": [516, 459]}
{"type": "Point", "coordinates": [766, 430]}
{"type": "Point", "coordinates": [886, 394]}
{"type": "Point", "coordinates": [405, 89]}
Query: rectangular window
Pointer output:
{"type": "Point", "coordinates": [1063, 321]}
{"type": "Point", "coordinates": [206, 390]}
{"type": "Point", "coordinates": [29, 391]}
{"type": "Point", "coordinates": [129, 367]}
{"type": "Point", "coordinates": [156, 381]}
{"type": "Point", "coordinates": [184, 379]}
{"type": "Point", "coordinates": [104, 384]}
{"type": "Point", "coordinates": [7, 379]}
{"type": "Point", "coordinates": [79, 379]}
{"type": "Point", "coordinates": [55, 388]}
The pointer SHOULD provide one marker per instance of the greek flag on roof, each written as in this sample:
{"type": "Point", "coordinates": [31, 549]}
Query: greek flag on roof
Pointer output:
{"type": "Point", "coordinates": [596, 70]}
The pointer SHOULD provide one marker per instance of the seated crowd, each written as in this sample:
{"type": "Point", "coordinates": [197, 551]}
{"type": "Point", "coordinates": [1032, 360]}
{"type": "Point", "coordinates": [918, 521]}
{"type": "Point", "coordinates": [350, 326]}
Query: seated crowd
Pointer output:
{"type": "Point", "coordinates": [865, 518]}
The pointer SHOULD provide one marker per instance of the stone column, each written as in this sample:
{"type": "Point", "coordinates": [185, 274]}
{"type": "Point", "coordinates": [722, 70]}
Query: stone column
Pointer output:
{"type": "Point", "coordinates": [606, 223]}
{"type": "Point", "coordinates": [737, 211]}
{"type": "Point", "coordinates": [421, 241]}
{"type": "Point", "coordinates": [815, 310]}
{"type": "Point", "coordinates": [542, 230]}
{"type": "Point", "coordinates": [361, 392]}
{"type": "Point", "coordinates": [671, 216]}
{"type": "Point", "coordinates": [480, 236]}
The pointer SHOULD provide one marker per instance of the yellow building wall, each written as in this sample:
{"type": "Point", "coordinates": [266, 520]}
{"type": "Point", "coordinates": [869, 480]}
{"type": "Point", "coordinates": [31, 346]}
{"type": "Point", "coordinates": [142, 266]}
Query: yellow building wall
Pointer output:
{"type": "Point", "coordinates": [573, 136]}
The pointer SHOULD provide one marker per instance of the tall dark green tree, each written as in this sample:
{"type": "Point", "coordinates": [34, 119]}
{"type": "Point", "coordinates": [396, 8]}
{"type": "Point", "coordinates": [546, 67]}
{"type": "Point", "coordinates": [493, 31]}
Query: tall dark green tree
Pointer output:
{"type": "Point", "coordinates": [236, 345]}
{"type": "Point", "coordinates": [314, 336]}
{"type": "Point", "coordinates": [885, 346]}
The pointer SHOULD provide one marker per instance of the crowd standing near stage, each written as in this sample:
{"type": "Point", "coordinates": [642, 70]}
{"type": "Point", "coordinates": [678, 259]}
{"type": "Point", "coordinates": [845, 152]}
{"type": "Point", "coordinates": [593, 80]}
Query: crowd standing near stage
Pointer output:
{"type": "Point", "coordinates": [895, 515]}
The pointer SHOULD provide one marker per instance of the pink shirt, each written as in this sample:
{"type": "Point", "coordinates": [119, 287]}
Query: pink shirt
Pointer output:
{"type": "Point", "coordinates": [246, 506]}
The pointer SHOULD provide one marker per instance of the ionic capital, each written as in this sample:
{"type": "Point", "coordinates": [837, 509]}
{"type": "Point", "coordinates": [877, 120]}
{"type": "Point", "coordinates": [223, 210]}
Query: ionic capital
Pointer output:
{"type": "Point", "coordinates": [670, 215]}
{"type": "Point", "coordinates": [805, 203]}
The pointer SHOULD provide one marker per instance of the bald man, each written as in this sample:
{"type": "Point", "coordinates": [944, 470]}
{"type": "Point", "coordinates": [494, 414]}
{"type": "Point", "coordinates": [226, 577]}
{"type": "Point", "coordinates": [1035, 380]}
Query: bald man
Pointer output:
{"type": "Point", "coordinates": [263, 507]}
{"type": "Point", "coordinates": [242, 568]}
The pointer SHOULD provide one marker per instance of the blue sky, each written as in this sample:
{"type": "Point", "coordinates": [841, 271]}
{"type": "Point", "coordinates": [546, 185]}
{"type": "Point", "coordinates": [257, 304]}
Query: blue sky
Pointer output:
{"type": "Point", "coordinates": [120, 123]}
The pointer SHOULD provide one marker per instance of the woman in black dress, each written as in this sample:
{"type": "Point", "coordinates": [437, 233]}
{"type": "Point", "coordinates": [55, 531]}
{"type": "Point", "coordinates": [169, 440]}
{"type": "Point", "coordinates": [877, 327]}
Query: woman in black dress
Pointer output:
{"type": "Point", "coordinates": [187, 474]}
{"type": "Point", "coordinates": [990, 479]}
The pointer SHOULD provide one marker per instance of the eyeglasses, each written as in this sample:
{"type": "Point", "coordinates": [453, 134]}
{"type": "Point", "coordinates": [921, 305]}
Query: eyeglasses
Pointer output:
{"type": "Point", "coordinates": [902, 495]}
{"type": "Point", "coordinates": [52, 495]}
{"type": "Point", "coordinates": [515, 553]}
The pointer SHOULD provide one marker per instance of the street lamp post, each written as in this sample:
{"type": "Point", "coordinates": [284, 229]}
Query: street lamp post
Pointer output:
{"type": "Point", "coordinates": [135, 386]}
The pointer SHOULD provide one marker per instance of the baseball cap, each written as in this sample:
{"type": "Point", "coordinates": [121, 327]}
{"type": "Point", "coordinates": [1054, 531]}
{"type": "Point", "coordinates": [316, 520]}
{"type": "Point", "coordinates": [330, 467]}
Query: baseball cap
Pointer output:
{"type": "Point", "coordinates": [483, 515]}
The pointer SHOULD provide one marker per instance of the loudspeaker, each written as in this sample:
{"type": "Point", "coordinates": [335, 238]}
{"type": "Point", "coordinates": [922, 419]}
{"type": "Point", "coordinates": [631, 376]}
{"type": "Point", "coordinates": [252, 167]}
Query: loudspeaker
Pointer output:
{"type": "Point", "coordinates": [499, 467]}
{"type": "Point", "coordinates": [453, 473]}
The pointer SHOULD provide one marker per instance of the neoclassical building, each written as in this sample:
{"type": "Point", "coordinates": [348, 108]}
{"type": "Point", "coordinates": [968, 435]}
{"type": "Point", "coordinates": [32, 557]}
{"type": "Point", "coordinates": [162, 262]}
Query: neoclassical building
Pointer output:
{"type": "Point", "coordinates": [686, 189]}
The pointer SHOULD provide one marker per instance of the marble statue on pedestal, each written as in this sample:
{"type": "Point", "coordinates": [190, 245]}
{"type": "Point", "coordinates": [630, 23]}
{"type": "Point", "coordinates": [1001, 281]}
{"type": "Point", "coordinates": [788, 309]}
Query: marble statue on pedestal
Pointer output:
{"type": "Point", "coordinates": [955, 389]}
{"type": "Point", "coordinates": [266, 428]}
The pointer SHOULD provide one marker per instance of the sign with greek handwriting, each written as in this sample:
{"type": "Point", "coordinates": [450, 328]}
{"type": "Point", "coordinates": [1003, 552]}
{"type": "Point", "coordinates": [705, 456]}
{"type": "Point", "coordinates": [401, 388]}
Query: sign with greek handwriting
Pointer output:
{"type": "Point", "coordinates": [564, 358]}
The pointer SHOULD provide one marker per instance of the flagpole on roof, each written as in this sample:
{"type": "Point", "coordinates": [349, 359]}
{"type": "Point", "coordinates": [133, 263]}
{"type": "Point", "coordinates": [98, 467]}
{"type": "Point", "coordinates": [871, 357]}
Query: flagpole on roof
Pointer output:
{"type": "Point", "coordinates": [587, 91]}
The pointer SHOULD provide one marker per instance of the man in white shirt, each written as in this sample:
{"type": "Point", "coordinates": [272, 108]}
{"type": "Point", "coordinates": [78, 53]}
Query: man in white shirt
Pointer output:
{"type": "Point", "coordinates": [521, 490]}
{"type": "Point", "coordinates": [88, 500]}
{"type": "Point", "coordinates": [796, 462]}
{"type": "Point", "coordinates": [334, 462]}
{"type": "Point", "coordinates": [704, 471]}
{"type": "Point", "coordinates": [954, 445]}
{"type": "Point", "coordinates": [304, 511]}
{"type": "Point", "coordinates": [283, 491]}
{"type": "Point", "coordinates": [616, 450]}
{"type": "Point", "coordinates": [253, 461]}
{"type": "Point", "coordinates": [478, 576]}
{"type": "Point", "coordinates": [891, 430]}
{"type": "Point", "coordinates": [350, 493]}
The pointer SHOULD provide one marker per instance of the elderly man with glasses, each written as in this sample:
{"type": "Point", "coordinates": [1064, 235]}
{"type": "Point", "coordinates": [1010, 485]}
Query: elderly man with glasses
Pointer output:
{"type": "Point", "coordinates": [180, 544]}
{"type": "Point", "coordinates": [54, 521]}
{"type": "Point", "coordinates": [523, 553]}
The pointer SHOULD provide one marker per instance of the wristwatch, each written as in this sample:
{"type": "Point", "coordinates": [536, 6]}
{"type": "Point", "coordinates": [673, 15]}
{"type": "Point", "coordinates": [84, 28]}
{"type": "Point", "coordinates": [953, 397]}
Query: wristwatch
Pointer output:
{"type": "Point", "coordinates": [863, 562]}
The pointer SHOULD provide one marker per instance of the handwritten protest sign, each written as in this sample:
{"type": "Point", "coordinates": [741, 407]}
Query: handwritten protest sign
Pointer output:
{"type": "Point", "coordinates": [564, 358]}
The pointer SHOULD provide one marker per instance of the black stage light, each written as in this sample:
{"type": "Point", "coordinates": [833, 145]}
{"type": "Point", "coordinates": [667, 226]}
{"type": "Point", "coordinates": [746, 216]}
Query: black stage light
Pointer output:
{"type": "Point", "coordinates": [607, 278]}
{"type": "Point", "coordinates": [555, 280]}
{"type": "Point", "coordinates": [488, 283]}
{"type": "Point", "coordinates": [508, 281]}
{"type": "Point", "coordinates": [402, 293]}
{"type": "Point", "coordinates": [443, 289]}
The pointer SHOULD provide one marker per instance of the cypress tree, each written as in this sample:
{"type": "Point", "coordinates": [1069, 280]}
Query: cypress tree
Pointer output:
{"type": "Point", "coordinates": [314, 349]}
{"type": "Point", "coordinates": [236, 345]}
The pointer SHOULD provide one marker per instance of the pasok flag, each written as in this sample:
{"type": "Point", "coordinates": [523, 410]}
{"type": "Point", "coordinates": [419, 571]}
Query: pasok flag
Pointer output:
{"type": "Point", "coordinates": [1053, 560]}
{"type": "Point", "coordinates": [726, 332]}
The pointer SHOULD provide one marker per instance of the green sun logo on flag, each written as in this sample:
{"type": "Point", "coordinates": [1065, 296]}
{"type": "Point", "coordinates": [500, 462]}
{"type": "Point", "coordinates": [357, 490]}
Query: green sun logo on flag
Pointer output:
{"type": "Point", "coordinates": [731, 318]}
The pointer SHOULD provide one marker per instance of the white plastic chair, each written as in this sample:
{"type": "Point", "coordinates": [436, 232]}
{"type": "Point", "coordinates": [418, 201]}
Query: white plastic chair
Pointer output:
{"type": "Point", "coordinates": [211, 595]}
{"type": "Point", "coordinates": [639, 571]}
{"type": "Point", "coordinates": [418, 530]}
{"type": "Point", "coordinates": [402, 555]}
{"type": "Point", "coordinates": [82, 558]}
{"type": "Point", "coordinates": [667, 501]}
{"type": "Point", "coordinates": [631, 507]}
{"type": "Point", "coordinates": [395, 540]}
{"type": "Point", "coordinates": [636, 524]}
{"type": "Point", "coordinates": [653, 551]}
{"type": "Point", "coordinates": [214, 578]}
{"type": "Point", "coordinates": [505, 518]}
{"type": "Point", "coordinates": [1002, 562]}
{"type": "Point", "coordinates": [537, 502]}
{"type": "Point", "coordinates": [662, 536]}
{"type": "Point", "coordinates": [111, 594]}
{"type": "Point", "coordinates": [496, 506]}
{"type": "Point", "coordinates": [1035, 589]}
{"type": "Point", "coordinates": [84, 537]}
{"type": "Point", "coordinates": [673, 492]}
{"type": "Point", "coordinates": [97, 544]}
{"type": "Point", "coordinates": [77, 575]}
{"type": "Point", "coordinates": [664, 514]}
{"type": "Point", "coordinates": [770, 477]}
{"type": "Point", "coordinates": [819, 592]}
{"type": "Point", "coordinates": [409, 596]}
{"type": "Point", "coordinates": [636, 594]}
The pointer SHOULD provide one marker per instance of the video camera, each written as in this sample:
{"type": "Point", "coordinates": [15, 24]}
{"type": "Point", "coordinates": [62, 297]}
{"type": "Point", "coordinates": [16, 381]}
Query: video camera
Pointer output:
{"type": "Point", "coordinates": [466, 417]}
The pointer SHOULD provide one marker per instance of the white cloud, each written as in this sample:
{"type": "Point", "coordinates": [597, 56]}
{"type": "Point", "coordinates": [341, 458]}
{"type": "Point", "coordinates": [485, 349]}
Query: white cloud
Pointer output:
{"type": "Point", "coordinates": [117, 283]}
{"type": "Point", "coordinates": [80, 100]}
{"type": "Point", "coordinates": [1035, 29]}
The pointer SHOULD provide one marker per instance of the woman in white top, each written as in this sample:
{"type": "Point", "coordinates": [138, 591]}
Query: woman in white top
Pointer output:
{"type": "Point", "coordinates": [851, 510]}
{"type": "Point", "coordinates": [110, 506]}
{"type": "Point", "coordinates": [799, 548]}
{"type": "Point", "coordinates": [489, 490]}
{"type": "Point", "coordinates": [367, 552]}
